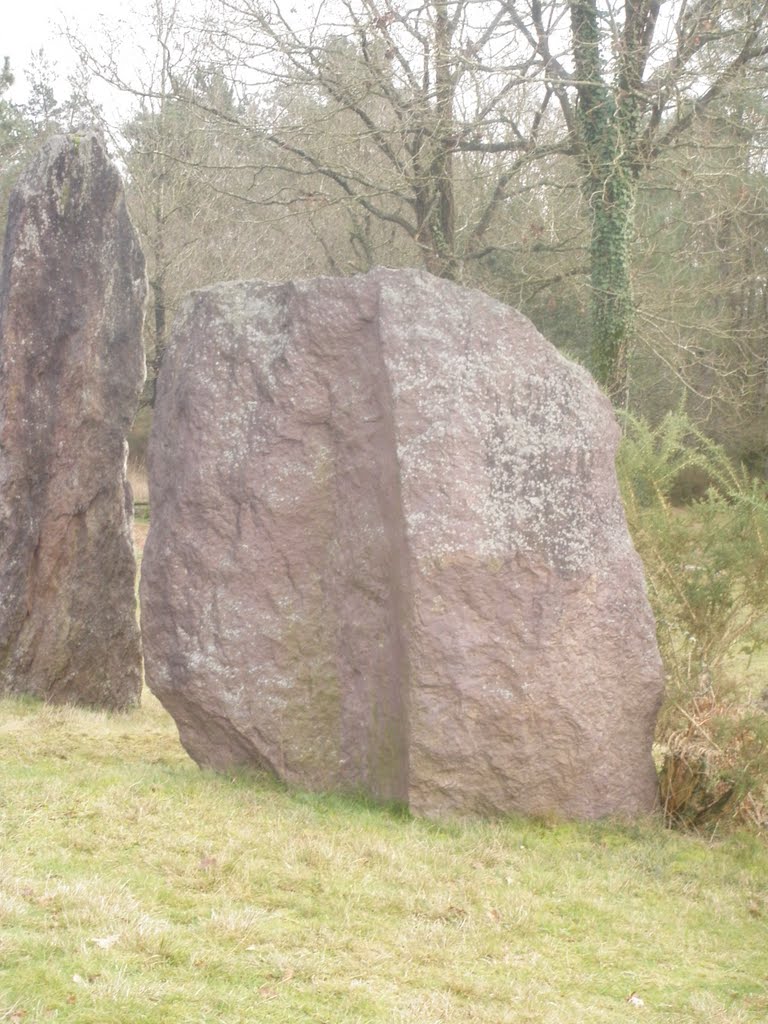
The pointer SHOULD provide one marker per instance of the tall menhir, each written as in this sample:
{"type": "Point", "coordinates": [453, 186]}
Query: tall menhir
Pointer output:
{"type": "Point", "coordinates": [72, 297]}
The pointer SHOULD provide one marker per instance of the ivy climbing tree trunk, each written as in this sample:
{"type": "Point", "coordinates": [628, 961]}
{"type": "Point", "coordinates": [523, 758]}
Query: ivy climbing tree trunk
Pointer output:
{"type": "Point", "coordinates": [606, 126]}
{"type": "Point", "coordinates": [613, 320]}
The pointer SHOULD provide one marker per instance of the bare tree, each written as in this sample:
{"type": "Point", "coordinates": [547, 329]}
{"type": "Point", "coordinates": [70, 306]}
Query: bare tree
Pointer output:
{"type": "Point", "coordinates": [408, 130]}
{"type": "Point", "coordinates": [389, 104]}
{"type": "Point", "coordinates": [427, 86]}
{"type": "Point", "coordinates": [701, 277]}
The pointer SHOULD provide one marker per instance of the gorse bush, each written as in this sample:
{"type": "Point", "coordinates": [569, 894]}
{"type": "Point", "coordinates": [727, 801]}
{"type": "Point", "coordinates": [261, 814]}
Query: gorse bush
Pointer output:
{"type": "Point", "coordinates": [706, 567]}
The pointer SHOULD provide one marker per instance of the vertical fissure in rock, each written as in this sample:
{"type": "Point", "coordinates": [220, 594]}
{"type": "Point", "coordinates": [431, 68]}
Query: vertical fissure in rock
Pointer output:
{"type": "Point", "coordinates": [399, 599]}
{"type": "Point", "coordinates": [373, 562]}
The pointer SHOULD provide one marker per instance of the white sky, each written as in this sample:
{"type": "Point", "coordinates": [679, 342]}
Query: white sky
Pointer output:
{"type": "Point", "coordinates": [28, 25]}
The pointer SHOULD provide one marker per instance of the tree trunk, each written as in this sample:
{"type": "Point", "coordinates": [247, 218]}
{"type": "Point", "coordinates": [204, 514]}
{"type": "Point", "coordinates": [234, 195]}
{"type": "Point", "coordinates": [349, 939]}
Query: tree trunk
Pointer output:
{"type": "Point", "coordinates": [436, 209]}
{"type": "Point", "coordinates": [607, 132]}
{"type": "Point", "coordinates": [612, 206]}
{"type": "Point", "coordinates": [435, 219]}
{"type": "Point", "coordinates": [155, 362]}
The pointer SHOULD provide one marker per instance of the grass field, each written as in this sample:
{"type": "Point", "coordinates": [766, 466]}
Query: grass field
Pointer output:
{"type": "Point", "coordinates": [136, 888]}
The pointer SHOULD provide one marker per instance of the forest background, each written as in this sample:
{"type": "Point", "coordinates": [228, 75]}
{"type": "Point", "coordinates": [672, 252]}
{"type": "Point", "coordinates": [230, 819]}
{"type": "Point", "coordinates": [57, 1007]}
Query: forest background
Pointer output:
{"type": "Point", "coordinates": [602, 165]}
{"type": "Point", "coordinates": [599, 164]}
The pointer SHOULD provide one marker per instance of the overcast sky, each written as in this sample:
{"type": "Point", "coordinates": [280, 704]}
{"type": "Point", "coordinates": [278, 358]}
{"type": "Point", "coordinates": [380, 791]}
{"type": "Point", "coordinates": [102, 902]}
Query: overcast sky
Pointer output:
{"type": "Point", "coordinates": [28, 25]}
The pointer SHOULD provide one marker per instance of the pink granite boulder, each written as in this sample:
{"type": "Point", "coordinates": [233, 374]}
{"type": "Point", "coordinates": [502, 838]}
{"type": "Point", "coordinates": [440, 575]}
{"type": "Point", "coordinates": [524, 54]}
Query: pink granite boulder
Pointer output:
{"type": "Point", "coordinates": [71, 367]}
{"type": "Point", "coordinates": [387, 553]}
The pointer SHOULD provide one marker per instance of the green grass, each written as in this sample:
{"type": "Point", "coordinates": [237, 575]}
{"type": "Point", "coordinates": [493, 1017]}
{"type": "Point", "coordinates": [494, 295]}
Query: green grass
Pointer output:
{"type": "Point", "coordinates": [136, 888]}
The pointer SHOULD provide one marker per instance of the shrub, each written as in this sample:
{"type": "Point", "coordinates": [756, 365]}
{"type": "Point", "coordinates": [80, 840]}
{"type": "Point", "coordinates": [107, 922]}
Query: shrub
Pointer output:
{"type": "Point", "coordinates": [706, 568]}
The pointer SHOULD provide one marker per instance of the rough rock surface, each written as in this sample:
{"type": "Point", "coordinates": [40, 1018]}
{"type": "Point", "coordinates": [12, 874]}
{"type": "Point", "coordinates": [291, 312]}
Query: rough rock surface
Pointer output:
{"type": "Point", "coordinates": [71, 366]}
{"type": "Point", "coordinates": [387, 552]}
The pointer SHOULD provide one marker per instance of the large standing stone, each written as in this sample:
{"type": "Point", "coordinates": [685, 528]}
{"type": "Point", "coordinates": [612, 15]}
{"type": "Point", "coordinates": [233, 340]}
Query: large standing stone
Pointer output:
{"type": "Point", "coordinates": [387, 552]}
{"type": "Point", "coordinates": [71, 366]}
